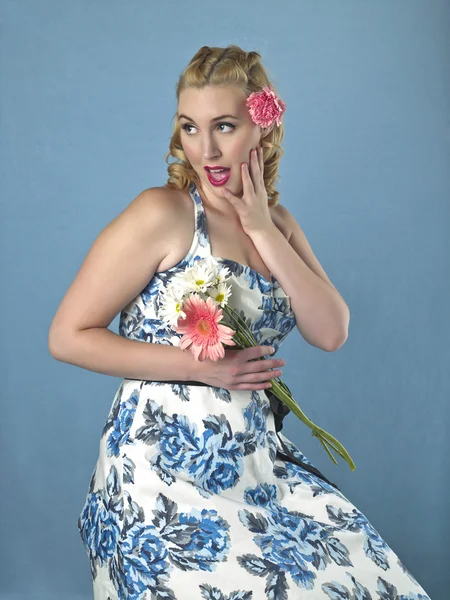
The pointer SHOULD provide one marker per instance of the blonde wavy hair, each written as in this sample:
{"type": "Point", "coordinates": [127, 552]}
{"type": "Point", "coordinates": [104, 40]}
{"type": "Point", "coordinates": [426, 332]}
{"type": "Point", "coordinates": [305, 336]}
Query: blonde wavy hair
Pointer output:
{"type": "Point", "coordinates": [225, 66]}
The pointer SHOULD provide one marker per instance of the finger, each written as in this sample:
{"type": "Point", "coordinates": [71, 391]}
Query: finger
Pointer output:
{"type": "Point", "coordinates": [258, 377]}
{"type": "Point", "coordinates": [255, 169]}
{"type": "Point", "coordinates": [254, 386]}
{"type": "Point", "coordinates": [259, 366]}
{"type": "Point", "coordinates": [255, 352]}
{"type": "Point", "coordinates": [247, 182]}
{"type": "Point", "coordinates": [261, 161]}
{"type": "Point", "coordinates": [230, 197]}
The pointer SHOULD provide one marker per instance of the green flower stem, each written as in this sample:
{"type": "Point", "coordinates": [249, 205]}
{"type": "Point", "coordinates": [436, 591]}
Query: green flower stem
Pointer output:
{"type": "Point", "coordinates": [244, 337]}
{"type": "Point", "coordinates": [323, 436]}
{"type": "Point", "coordinates": [240, 340]}
{"type": "Point", "coordinates": [326, 450]}
{"type": "Point", "coordinates": [242, 332]}
{"type": "Point", "coordinates": [242, 325]}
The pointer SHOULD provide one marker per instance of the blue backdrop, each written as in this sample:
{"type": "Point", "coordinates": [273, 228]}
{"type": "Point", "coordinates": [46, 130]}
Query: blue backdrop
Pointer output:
{"type": "Point", "coordinates": [87, 99]}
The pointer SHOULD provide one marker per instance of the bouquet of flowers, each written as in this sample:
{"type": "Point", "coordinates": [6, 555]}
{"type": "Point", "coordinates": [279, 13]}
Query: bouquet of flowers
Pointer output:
{"type": "Point", "coordinates": [194, 304]}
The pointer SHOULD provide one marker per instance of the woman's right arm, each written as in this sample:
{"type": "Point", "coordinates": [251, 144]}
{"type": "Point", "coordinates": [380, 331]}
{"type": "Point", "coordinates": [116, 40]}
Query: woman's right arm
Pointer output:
{"type": "Point", "coordinates": [120, 263]}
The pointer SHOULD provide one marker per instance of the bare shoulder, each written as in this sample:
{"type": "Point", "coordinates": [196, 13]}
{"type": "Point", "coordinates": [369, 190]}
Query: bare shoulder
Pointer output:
{"type": "Point", "coordinates": [160, 212]}
{"type": "Point", "coordinates": [158, 201]}
{"type": "Point", "coordinates": [122, 260]}
{"type": "Point", "coordinates": [167, 217]}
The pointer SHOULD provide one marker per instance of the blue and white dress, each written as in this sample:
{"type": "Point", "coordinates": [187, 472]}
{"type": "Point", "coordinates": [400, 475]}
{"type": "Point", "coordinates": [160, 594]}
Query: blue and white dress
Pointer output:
{"type": "Point", "coordinates": [192, 497]}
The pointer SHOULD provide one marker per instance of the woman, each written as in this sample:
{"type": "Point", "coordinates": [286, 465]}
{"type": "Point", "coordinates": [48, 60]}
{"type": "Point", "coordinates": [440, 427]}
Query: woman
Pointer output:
{"type": "Point", "coordinates": [196, 493]}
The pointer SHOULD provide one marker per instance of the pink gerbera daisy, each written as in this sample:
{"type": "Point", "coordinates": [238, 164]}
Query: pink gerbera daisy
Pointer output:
{"type": "Point", "coordinates": [202, 329]}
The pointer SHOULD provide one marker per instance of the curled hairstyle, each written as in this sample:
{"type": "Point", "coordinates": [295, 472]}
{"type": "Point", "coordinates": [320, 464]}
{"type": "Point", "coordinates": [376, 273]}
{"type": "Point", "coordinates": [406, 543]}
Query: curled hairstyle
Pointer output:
{"type": "Point", "coordinates": [225, 66]}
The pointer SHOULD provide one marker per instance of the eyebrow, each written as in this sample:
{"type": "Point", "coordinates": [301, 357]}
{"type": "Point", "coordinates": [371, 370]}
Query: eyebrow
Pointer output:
{"type": "Point", "coordinates": [212, 120]}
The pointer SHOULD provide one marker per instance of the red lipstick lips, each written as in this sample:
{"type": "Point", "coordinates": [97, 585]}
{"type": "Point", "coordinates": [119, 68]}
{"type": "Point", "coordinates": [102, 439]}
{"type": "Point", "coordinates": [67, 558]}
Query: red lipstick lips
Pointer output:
{"type": "Point", "coordinates": [220, 176]}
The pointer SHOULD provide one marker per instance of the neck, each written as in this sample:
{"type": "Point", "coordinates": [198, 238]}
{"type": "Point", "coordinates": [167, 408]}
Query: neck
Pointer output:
{"type": "Point", "coordinates": [217, 203]}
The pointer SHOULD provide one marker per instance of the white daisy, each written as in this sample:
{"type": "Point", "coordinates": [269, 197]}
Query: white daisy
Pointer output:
{"type": "Point", "coordinates": [171, 305]}
{"type": "Point", "coordinates": [197, 278]}
{"type": "Point", "coordinates": [219, 273]}
{"type": "Point", "coordinates": [220, 293]}
{"type": "Point", "coordinates": [210, 262]}
{"type": "Point", "coordinates": [223, 274]}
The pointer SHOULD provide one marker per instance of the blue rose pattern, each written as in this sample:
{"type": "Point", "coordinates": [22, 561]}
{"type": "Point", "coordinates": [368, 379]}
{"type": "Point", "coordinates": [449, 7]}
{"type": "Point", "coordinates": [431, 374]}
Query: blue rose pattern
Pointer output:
{"type": "Point", "coordinates": [119, 421]}
{"type": "Point", "coordinates": [100, 519]}
{"type": "Point", "coordinates": [291, 542]}
{"type": "Point", "coordinates": [137, 547]}
{"type": "Point", "coordinates": [213, 461]}
{"type": "Point", "coordinates": [385, 591]}
{"type": "Point", "coordinates": [143, 555]}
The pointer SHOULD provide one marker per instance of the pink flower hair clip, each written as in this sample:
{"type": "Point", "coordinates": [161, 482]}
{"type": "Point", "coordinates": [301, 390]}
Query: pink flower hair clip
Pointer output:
{"type": "Point", "coordinates": [265, 107]}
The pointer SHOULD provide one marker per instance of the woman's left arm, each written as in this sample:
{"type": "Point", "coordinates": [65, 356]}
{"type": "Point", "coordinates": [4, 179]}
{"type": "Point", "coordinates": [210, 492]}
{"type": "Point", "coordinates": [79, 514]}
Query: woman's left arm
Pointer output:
{"type": "Point", "coordinates": [321, 313]}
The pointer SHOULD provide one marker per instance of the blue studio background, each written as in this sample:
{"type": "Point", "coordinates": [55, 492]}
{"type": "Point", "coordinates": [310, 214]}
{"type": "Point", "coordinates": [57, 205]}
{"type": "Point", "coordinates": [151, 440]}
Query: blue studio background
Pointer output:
{"type": "Point", "coordinates": [87, 100]}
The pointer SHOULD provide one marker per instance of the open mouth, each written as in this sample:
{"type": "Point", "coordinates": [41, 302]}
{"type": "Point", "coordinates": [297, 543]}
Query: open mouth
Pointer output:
{"type": "Point", "coordinates": [218, 176]}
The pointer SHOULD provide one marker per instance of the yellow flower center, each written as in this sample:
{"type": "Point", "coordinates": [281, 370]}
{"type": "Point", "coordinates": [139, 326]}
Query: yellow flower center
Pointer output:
{"type": "Point", "coordinates": [199, 282]}
{"type": "Point", "coordinates": [203, 327]}
{"type": "Point", "coordinates": [220, 297]}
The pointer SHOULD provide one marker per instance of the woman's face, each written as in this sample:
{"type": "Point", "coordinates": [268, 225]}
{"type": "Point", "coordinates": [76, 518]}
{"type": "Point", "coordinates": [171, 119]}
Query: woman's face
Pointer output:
{"type": "Point", "coordinates": [208, 141]}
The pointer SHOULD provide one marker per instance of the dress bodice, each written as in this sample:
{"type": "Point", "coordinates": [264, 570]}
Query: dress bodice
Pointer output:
{"type": "Point", "coordinates": [260, 301]}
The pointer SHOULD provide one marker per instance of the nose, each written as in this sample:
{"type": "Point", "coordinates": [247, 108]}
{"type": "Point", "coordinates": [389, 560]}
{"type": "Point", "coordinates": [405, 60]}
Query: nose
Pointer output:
{"type": "Point", "coordinates": [210, 149]}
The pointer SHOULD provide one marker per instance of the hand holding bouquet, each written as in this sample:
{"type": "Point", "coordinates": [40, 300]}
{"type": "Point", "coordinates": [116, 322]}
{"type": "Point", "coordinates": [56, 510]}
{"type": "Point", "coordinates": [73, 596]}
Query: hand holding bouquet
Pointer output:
{"type": "Point", "coordinates": [194, 304]}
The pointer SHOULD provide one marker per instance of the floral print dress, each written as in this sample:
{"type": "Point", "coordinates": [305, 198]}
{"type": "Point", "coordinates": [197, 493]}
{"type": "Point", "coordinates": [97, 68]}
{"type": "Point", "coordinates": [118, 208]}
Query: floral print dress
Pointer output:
{"type": "Point", "coordinates": [192, 496]}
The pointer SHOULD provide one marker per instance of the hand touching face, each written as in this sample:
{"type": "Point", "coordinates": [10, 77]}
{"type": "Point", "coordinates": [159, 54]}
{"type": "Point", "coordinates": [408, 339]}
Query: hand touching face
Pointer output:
{"type": "Point", "coordinates": [252, 207]}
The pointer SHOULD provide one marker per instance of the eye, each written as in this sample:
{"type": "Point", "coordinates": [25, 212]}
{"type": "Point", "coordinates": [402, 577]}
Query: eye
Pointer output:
{"type": "Point", "coordinates": [185, 127]}
{"type": "Point", "coordinates": [223, 123]}
{"type": "Point", "coordinates": [227, 125]}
